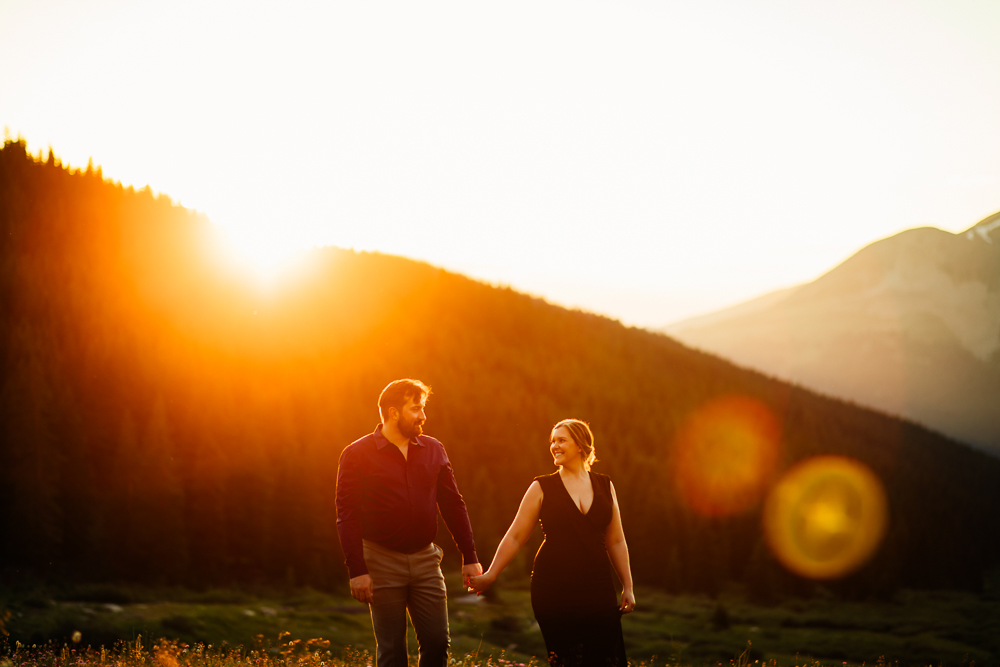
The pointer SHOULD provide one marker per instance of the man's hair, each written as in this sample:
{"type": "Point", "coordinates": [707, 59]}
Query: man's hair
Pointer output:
{"type": "Point", "coordinates": [398, 392]}
{"type": "Point", "coordinates": [583, 437]}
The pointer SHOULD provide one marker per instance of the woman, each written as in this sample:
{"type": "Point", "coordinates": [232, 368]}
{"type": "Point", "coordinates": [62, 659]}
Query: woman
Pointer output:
{"type": "Point", "coordinates": [572, 589]}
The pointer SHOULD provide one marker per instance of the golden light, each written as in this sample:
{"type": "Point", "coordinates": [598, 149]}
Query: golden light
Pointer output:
{"type": "Point", "coordinates": [263, 259]}
{"type": "Point", "coordinates": [826, 517]}
{"type": "Point", "coordinates": [725, 454]}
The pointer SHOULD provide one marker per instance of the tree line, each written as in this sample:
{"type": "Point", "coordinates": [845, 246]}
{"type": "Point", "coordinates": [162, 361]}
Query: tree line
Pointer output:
{"type": "Point", "coordinates": [161, 420]}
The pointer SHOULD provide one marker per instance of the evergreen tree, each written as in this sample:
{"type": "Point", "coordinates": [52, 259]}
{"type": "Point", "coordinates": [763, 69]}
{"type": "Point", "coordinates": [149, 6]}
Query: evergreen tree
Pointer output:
{"type": "Point", "coordinates": [205, 516]}
{"type": "Point", "coordinates": [29, 456]}
{"type": "Point", "coordinates": [158, 522]}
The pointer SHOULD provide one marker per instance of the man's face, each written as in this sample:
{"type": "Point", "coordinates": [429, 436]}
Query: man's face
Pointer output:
{"type": "Point", "coordinates": [412, 417]}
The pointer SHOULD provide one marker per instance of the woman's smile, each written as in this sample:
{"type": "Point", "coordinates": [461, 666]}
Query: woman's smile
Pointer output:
{"type": "Point", "coordinates": [562, 446]}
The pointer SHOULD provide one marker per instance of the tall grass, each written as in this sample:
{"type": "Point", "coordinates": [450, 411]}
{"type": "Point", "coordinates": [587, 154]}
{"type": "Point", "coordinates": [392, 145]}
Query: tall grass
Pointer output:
{"type": "Point", "coordinates": [172, 653]}
{"type": "Point", "coordinates": [287, 653]}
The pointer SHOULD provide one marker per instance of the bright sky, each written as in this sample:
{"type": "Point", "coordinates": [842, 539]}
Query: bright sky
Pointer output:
{"type": "Point", "coordinates": [646, 160]}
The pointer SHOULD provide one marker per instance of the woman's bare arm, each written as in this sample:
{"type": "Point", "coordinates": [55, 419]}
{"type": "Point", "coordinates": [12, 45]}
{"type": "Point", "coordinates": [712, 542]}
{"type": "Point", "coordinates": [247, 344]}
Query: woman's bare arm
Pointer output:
{"type": "Point", "coordinates": [518, 533]}
{"type": "Point", "coordinates": [614, 540]}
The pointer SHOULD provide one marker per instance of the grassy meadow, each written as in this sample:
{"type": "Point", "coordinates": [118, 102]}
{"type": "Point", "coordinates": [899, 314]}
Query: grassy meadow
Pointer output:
{"type": "Point", "coordinates": [263, 626]}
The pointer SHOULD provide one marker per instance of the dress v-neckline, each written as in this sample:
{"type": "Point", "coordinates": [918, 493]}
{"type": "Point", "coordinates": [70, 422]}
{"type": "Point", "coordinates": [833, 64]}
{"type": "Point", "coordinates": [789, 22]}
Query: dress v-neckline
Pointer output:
{"type": "Point", "coordinates": [590, 478]}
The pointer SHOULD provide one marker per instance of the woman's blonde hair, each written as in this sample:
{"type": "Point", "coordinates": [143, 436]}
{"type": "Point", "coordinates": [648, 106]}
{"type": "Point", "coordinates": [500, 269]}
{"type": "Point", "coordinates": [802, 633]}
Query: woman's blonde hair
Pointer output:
{"type": "Point", "coordinates": [582, 436]}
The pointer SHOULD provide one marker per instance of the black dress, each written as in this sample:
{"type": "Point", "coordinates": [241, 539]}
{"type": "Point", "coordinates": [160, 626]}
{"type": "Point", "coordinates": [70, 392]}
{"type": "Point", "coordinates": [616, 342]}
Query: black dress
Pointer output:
{"type": "Point", "coordinates": [573, 590]}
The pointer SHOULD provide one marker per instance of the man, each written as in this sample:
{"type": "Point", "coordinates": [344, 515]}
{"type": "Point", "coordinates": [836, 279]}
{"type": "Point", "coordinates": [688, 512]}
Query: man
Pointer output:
{"type": "Point", "coordinates": [390, 485]}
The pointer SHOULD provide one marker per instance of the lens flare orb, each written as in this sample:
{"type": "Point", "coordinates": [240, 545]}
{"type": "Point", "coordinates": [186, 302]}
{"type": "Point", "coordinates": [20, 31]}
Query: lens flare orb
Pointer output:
{"type": "Point", "coordinates": [725, 454]}
{"type": "Point", "coordinates": [826, 517]}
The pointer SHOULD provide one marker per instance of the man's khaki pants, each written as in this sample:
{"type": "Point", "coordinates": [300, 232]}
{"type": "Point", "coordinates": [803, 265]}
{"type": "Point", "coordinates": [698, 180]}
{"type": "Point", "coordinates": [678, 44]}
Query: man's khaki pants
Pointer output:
{"type": "Point", "coordinates": [408, 583]}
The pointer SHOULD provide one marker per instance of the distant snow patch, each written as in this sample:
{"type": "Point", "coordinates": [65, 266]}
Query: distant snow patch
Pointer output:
{"type": "Point", "coordinates": [983, 231]}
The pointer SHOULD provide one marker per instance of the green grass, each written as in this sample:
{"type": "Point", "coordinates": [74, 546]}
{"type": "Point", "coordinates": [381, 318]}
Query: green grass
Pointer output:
{"type": "Point", "coordinates": [914, 628]}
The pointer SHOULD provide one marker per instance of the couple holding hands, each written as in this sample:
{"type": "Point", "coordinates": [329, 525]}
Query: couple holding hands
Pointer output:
{"type": "Point", "coordinates": [390, 486]}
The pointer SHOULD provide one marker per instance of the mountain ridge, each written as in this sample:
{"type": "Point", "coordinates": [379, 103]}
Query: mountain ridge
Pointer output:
{"type": "Point", "coordinates": [909, 325]}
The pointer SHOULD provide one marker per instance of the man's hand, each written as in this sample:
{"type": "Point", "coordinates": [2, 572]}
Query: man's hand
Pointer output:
{"type": "Point", "coordinates": [479, 584]}
{"type": "Point", "coordinates": [362, 589]}
{"type": "Point", "coordinates": [469, 571]}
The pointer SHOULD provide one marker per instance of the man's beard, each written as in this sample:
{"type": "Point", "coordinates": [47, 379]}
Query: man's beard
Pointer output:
{"type": "Point", "coordinates": [410, 429]}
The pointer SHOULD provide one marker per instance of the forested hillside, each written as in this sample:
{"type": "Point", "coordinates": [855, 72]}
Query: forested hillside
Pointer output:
{"type": "Point", "coordinates": [163, 420]}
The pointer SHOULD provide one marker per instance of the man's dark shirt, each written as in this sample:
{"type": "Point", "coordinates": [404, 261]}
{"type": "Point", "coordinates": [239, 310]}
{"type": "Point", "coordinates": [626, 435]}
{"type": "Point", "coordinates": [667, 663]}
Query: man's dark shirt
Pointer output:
{"type": "Point", "coordinates": [393, 501]}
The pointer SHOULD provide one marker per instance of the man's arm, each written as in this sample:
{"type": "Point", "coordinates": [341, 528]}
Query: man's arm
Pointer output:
{"type": "Point", "coordinates": [456, 517]}
{"type": "Point", "coordinates": [349, 525]}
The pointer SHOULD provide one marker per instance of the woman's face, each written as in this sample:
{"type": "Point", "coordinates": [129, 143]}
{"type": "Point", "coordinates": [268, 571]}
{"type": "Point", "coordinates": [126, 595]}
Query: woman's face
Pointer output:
{"type": "Point", "coordinates": [564, 449]}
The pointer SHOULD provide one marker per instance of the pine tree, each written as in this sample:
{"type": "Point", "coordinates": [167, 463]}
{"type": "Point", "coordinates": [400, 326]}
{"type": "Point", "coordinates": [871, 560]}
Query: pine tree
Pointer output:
{"type": "Point", "coordinates": [117, 537]}
{"type": "Point", "coordinates": [205, 518]}
{"type": "Point", "coordinates": [29, 457]}
{"type": "Point", "coordinates": [158, 524]}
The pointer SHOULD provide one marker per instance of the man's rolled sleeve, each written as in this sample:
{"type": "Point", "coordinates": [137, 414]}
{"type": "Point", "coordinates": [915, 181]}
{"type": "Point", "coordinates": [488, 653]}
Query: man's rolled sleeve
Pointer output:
{"type": "Point", "coordinates": [456, 514]}
{"type": "Point", "coordinates": [349, 513]}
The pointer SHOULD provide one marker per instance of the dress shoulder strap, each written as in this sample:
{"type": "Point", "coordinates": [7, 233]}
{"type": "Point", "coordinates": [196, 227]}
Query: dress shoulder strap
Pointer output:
{"type": "Point", "coordinates": [604, 481]}
{"type": "Point", "coordinates": [546, 480]}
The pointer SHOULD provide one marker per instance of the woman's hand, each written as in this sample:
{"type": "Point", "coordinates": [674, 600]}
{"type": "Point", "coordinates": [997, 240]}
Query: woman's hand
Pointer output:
{"type": "Point", "coordinates": [479, 584]}
{"type": "Point", "coordinates": [628, 601]}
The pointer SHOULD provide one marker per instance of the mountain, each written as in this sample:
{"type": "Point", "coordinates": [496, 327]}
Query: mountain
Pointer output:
{"type": "Point", "coordinates": [910, 325]}
{"type": "Point", "coordinates": [164, 420]}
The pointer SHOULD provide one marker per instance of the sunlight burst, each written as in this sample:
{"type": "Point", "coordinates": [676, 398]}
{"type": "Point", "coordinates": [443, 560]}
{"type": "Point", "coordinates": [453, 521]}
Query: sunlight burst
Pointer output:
{"type": "Point", "coordinates": [264, 258]}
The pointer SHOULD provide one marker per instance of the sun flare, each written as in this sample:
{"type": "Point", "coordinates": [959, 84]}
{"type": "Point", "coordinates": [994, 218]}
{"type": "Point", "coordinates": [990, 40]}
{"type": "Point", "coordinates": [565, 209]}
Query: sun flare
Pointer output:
{"type": "Point", "coordinates": [266, 259]}
{"type": "Point", "coordinates": [724, 455]}
{"type": "Point", "coordinates": [826, 517]}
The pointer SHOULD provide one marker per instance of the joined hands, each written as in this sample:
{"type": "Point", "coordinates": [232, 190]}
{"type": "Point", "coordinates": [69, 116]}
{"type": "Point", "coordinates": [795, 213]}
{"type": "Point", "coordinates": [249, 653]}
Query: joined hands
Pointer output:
{"type": "Point", "coordinates": [469, 572]}
{"type": "Point", "coordinates": [480, 583]}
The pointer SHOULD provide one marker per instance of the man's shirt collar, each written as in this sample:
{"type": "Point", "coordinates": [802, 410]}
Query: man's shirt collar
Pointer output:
{"type": "Point", "coordinates": [381, 441]}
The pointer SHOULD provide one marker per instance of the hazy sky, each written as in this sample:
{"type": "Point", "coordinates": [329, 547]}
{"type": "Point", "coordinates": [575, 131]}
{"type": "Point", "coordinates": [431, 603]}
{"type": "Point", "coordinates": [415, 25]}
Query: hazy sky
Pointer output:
{"type": "Point", "coordinates": [647, 160]}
